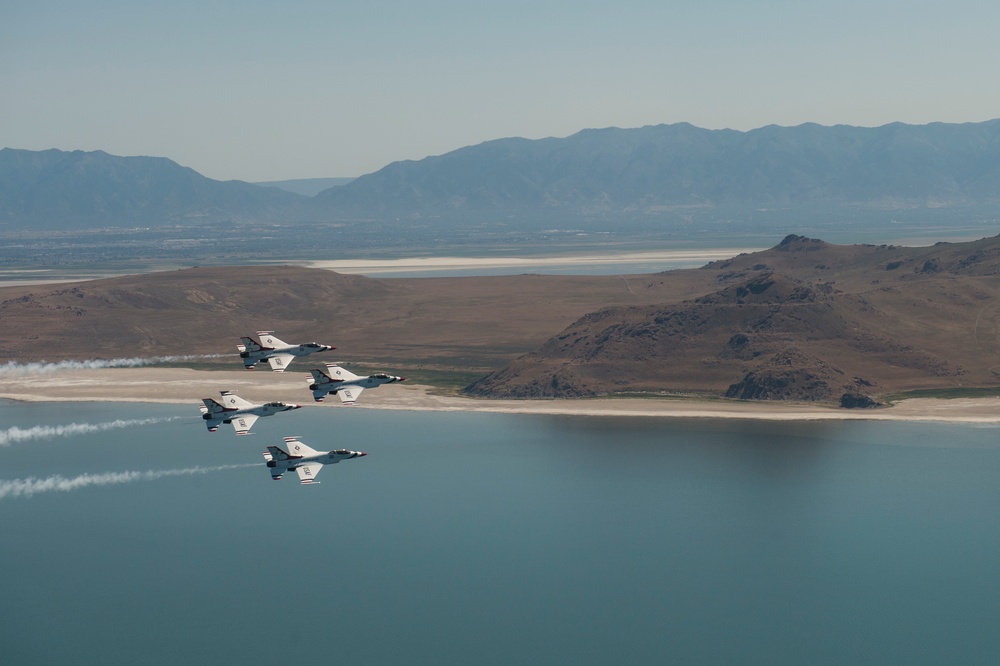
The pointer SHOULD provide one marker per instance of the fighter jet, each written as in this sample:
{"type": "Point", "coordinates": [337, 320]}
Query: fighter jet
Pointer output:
{"type": "Point", "coordinates": [306, 461]}
{"type": "Point", "coordinates": [241, 413]}
{"type": "Point", "coordinates": [276, 352]}
{"type": "Point", "coordinates": [346, 384]}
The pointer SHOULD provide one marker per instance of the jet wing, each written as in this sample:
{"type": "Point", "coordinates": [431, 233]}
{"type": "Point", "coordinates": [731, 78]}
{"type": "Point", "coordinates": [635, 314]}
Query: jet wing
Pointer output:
{"type": "Point", "coordinates": [349, 394]}
{"type": "Point", "coordinates": [279, 362]}
{"type": "Point", "coordinates": [233, 401]}
{"type": "Point", "coordinates": [244, 423]}
{"type": "Point", "coordinates": [307, 473]}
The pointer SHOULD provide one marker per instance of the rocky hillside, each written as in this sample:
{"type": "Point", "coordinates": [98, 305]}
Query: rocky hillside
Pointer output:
{"type": "Point", "coordinates": [805, 320]}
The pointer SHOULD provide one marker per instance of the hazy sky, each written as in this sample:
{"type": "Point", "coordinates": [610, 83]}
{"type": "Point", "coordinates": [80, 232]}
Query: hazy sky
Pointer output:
{"type": "Point", "coordinates": [268, 91]}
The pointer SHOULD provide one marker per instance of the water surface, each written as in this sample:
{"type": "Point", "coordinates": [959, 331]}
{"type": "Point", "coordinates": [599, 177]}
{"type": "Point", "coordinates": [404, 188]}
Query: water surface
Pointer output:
{"type": "Point", "coordinates": [503, 539]}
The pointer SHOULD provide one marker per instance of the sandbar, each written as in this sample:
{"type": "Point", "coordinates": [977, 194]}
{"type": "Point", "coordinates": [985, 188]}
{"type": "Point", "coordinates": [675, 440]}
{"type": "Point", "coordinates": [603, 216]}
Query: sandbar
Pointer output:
{"type": "Point", "coordinates": [183, 385]}
{"type": "Point", "coordinates": [424, 264]}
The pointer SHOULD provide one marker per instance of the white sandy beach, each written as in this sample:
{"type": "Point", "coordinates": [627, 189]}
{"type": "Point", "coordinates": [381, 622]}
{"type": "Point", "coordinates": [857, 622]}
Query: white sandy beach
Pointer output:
{"type": "Point", "coordinates": [424, 264]}
{"type": "Point", "coordinates": [180, 385]}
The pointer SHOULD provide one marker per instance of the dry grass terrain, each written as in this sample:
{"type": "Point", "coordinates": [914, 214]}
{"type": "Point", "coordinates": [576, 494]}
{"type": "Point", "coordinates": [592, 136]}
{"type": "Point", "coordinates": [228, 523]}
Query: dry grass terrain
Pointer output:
{"type": "Point", "coordinates": [473, 323]}
{"type": "Point", "coordinates": [803, 321]}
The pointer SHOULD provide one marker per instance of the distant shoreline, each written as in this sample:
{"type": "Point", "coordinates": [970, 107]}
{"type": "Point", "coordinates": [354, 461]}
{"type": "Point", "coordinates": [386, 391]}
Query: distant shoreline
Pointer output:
{"type": "Point", "coordinates": [428, 264]}
{"type": "Point", "coordinates": [186, 386]}
{"type": "Point", "coordinates": [644, 262]}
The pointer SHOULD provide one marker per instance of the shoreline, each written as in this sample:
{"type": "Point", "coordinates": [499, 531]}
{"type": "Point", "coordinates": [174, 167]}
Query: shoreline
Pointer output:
{"type": "Point", "coordinates": [638, 262]}
{"type": "Point", "coordinates": [423, 264]}
{"type": "Point", "coordinates": [186, 386]}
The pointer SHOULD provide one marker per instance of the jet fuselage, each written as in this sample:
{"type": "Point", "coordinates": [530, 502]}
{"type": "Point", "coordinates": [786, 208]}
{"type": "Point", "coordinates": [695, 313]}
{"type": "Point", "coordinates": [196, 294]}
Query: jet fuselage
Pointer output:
{"type": "Point", "coordinates": [238, 412]}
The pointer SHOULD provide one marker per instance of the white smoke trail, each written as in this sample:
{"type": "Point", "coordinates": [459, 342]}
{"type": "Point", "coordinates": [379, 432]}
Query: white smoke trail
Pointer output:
{"type": "Point", "coordinates": [15, 369]}
{"type": "Point", "coordinates": [15, 434]}
{"type": "Point", "coordinates": [32, 485]}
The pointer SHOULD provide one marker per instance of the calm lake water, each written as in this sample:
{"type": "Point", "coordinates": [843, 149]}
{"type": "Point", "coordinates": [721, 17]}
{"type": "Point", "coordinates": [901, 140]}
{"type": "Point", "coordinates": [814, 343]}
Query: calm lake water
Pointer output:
{"type": "Point", "coordinates": [499, 539]}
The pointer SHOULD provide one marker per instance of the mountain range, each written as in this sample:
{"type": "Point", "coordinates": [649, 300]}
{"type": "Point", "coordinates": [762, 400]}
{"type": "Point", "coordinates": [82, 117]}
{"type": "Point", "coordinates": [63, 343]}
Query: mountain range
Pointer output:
{"type": "Point", "coordinates": [306, 186]}
{"type": "Point", "coordinates": [605, 175]}
{"type": "Point", "coordinates": [53, 189]}
{"type": "Point", "coordinates": [655, 168]}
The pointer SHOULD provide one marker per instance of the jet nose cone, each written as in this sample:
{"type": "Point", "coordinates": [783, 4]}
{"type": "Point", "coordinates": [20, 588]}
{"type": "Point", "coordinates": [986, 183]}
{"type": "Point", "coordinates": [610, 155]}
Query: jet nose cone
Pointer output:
{"type": "Point", "coordinates": [402, 379]}
{"type": "Point", "coordinates": [361, 453]}
{"type": "Point", "coordinates": [295, 406]}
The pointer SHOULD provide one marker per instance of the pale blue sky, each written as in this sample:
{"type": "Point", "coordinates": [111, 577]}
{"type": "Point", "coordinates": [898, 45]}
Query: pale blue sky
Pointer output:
{"type": "Point", "coordinates": [300, 89]}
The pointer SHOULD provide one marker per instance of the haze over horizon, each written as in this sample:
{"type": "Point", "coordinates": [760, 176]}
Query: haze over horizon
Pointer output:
{"type": "Point", "coordinates": [310, 89]}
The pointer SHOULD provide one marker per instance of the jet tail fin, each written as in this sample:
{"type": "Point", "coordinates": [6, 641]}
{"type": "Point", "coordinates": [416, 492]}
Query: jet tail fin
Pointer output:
{"type": "Point", "coordinates": [318, 376]}
{"type": "Point", "coordinates": [211, 406]}
{"type": "Point", "coordinates": [248, 344]}
{"type": "Point", "coordinates": [275, 453]}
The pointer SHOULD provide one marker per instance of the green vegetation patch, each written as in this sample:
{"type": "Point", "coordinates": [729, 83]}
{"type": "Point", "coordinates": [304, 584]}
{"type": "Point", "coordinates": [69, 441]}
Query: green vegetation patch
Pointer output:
{"type": "Point", "coordinates": [668, 395]}
{"type": "Point", "coordinates": [944, 393]}
{"type": "Point", "coordinates": [447, 382]}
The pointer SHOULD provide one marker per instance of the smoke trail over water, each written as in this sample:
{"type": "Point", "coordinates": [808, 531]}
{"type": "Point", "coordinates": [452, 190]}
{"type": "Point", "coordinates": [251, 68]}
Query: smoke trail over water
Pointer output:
{"type": "Point", "coordinates": [32, 485]}
{"type": "Point", "coordinates": [14, 369]}
{"type": "Point", "coordinates": [15, 434]}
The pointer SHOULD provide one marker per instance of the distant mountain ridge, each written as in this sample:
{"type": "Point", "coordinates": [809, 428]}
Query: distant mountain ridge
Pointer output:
{"type": "Point", "coordinates": [605, 174]}
{"type": "Point", "coordinates": [620, 171]}
{"type": "Point", "coordinates": [305, 186]}
{"type": "Point", "coordinates": [54, 189]}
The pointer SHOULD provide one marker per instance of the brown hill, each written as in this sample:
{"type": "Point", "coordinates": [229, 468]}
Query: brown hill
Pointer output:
{"type": "Point", "coordinates": [805, 320]}
{"type": "Point", "coordinates": [455, 323]}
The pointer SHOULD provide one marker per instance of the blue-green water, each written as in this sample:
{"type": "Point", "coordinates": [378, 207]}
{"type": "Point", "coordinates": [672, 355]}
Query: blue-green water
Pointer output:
{"type": "Point", "coordinates": [502, 539]}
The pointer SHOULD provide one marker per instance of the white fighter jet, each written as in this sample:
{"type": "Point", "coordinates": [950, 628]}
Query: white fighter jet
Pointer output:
{"type": "Point", "coordinates": [344, 383]}
{"type": "Point", "coordinates": [276, 352]}
{"type": "Point", "coordinates": [241, 413]}
{"type": "Point", "coordinates": [306, 461]}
